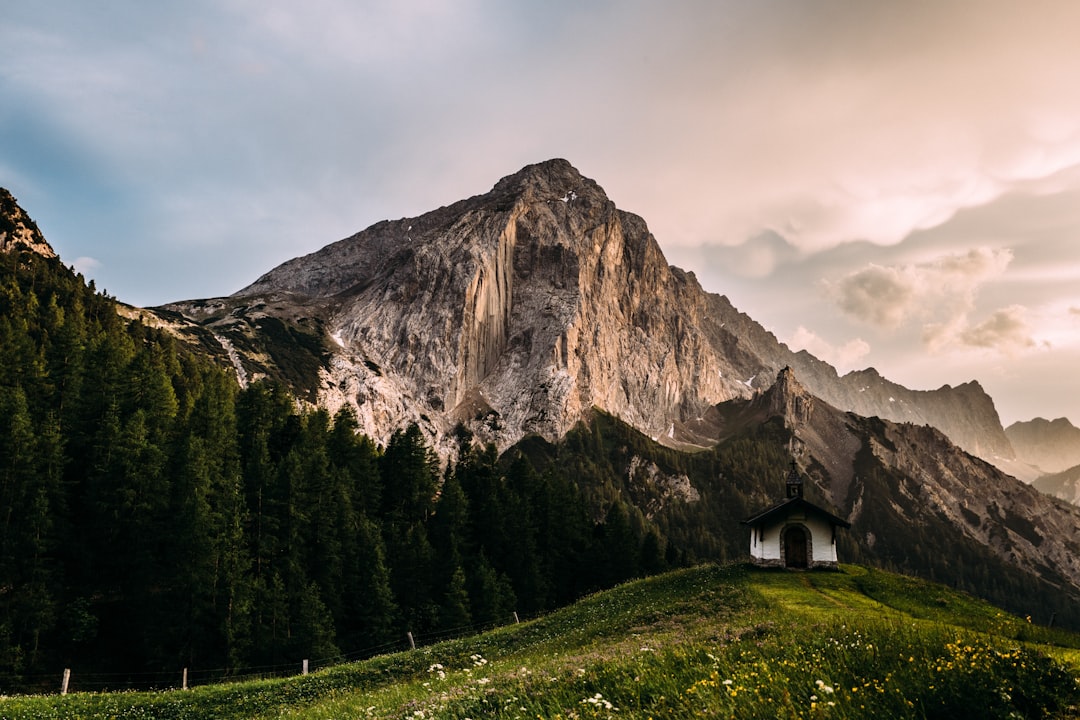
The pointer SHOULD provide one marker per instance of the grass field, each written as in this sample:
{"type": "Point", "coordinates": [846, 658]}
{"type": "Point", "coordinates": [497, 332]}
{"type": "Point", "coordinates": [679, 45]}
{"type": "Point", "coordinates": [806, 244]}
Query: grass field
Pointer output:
{"type": "Point", "coordinates": [705, 642]}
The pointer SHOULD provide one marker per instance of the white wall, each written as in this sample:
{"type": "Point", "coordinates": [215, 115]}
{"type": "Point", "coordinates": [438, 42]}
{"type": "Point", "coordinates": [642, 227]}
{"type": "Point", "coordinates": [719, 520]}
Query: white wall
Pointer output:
{"type": "Point", "coordinates": [768, 542]}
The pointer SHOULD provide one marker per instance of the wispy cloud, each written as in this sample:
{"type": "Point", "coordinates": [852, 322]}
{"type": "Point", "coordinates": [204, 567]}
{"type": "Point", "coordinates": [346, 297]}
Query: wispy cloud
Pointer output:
{"type": "Point", "coordinates": [86, 265]}
{"type": "Point", "coordinates": [940, 291]}
{"type": "Point", "coordinates": [1006, 330]}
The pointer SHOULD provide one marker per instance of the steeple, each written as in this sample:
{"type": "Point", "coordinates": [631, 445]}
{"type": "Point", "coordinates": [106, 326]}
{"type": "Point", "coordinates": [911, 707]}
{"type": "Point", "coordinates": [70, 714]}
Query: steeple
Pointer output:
{"type": "Point", "coordinates": [794, 482]}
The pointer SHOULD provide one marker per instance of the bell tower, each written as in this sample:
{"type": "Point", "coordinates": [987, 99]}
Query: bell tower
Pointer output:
{"type": "Point", "coordinates": [794, 482]}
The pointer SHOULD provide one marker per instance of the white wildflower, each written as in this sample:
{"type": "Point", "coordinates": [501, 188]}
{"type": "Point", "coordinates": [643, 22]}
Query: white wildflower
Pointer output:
{"type": "Point", "coordinates": [599, 701]}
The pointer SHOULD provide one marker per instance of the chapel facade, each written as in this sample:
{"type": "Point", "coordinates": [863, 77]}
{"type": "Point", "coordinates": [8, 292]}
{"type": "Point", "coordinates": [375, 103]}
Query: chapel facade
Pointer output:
{"type": "Point", "coordinates": [795, 533]}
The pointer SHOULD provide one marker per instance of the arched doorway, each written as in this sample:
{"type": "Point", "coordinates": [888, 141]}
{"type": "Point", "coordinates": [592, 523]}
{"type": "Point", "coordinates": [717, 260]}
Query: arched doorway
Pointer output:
{"type": "Point", "coordinates": [795, 547]}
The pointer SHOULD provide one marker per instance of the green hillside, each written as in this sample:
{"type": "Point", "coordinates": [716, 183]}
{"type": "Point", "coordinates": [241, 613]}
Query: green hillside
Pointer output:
{"type": "Point", "coordinates": [709, 641]}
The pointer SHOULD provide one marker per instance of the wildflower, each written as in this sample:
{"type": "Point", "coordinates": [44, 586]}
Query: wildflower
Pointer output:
{"type": "Point", "coordinates": [599, 701]}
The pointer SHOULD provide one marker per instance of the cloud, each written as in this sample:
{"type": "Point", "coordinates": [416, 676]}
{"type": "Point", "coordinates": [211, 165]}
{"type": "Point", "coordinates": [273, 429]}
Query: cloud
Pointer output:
{"type": "Point", "coordinates": [1005, 330]}
{"type": "Point", "coordinates": [86, 265]}
{"type": "Point", "coordinates": [938, 296]}
{"type": "Point", "coordinates": [941, 290]}
{"type": "Point", "coordinates": [871, 121]}
{"type": "Point", "coordinates": [843, 357]}
{"type": "Point", "coordinates": [882, 296]}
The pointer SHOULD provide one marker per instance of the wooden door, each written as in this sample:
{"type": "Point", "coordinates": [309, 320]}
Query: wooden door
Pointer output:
{"type": "Point", "coordinates": [795, 547]}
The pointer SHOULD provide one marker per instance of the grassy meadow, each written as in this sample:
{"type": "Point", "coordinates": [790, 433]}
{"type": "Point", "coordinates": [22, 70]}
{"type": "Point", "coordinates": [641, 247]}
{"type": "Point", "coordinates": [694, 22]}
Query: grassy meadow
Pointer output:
{"type": "Point", "coordinates": [711, 641]}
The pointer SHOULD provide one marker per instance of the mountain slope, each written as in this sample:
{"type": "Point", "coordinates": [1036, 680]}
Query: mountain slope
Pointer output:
{"type": "Point", "coordinates": [517, 311]}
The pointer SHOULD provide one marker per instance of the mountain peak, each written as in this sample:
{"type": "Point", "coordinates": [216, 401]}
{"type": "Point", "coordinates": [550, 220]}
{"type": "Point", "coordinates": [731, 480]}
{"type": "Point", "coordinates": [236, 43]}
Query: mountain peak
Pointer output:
{"type": "Point", "coordinates": [554, 179]}
{"type": "Point", "coordinates": [554, 170]}
{"type": "Point", "coordinates": [18, 230]}
{"type": "Point", "coordinates": [789, 399]}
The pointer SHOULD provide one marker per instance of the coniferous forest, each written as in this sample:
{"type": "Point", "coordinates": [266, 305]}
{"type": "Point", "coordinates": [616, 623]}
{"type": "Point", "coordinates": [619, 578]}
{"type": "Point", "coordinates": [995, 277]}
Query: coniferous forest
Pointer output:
{"type": "Point", "coordinates": [157, 516]}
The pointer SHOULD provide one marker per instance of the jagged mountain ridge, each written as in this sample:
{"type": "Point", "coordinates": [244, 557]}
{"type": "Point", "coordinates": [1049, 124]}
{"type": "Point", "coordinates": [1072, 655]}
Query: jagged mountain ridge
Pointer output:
{"type": "Point", "coordinates": [517, 311]}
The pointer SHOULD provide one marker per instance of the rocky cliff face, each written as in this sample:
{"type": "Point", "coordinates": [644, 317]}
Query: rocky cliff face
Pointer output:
{"type": "Point", "coordinates": [517, 311]}
{"type": "Point", "coordinates": [18, 230]}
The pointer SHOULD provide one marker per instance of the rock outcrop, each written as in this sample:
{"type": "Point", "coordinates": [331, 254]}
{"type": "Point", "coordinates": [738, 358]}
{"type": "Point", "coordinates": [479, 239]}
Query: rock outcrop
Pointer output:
{"type": "Point", "coordinates": [18, 230]}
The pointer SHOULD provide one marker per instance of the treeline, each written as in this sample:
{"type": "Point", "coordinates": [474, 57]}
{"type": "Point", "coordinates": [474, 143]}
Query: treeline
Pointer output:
{"type": "Point", "coordinates": [155, 516]}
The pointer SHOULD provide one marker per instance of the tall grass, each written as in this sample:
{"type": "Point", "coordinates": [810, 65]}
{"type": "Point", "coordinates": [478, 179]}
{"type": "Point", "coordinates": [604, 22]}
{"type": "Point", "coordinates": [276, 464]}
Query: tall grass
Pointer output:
{"type": "Point", "coordinates": [707, 642]}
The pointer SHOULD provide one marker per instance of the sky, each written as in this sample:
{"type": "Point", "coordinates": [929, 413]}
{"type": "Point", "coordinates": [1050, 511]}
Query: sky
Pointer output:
{"type": "Point", "coordinates": [890, 184]}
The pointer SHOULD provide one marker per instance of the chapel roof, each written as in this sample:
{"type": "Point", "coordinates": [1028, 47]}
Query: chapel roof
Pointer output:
{"type": "Point", "coordinates": [795, 503]}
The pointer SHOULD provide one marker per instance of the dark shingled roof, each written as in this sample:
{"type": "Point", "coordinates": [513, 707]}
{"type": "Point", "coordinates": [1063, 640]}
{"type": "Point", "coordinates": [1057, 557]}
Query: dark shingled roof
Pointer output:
{"type": "Point", "coordinates": [795, 503]}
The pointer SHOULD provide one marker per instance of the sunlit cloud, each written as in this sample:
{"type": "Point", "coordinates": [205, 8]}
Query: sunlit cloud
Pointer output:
{"type": "Point", "coordinates": [86, 265]}
{"type": "Point", "coordinates": [940, 291]}
{"type": "Point", "coordinates": [1006, 330]}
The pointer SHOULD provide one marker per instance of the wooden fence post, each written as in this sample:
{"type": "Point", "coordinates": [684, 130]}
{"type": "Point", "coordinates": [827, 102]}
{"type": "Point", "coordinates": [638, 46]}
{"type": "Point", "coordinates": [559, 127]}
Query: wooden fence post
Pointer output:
{"type": "Point", "coordinates": [516, 618]}
{"type": "Point", "coordinates": [183, 685]}
{"type": "Point", "coordinates": [305, 668]}
{"type": "Point", "coordinates": [412, 643]}
{"type": "Point", "coordinates": [66, 681]}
